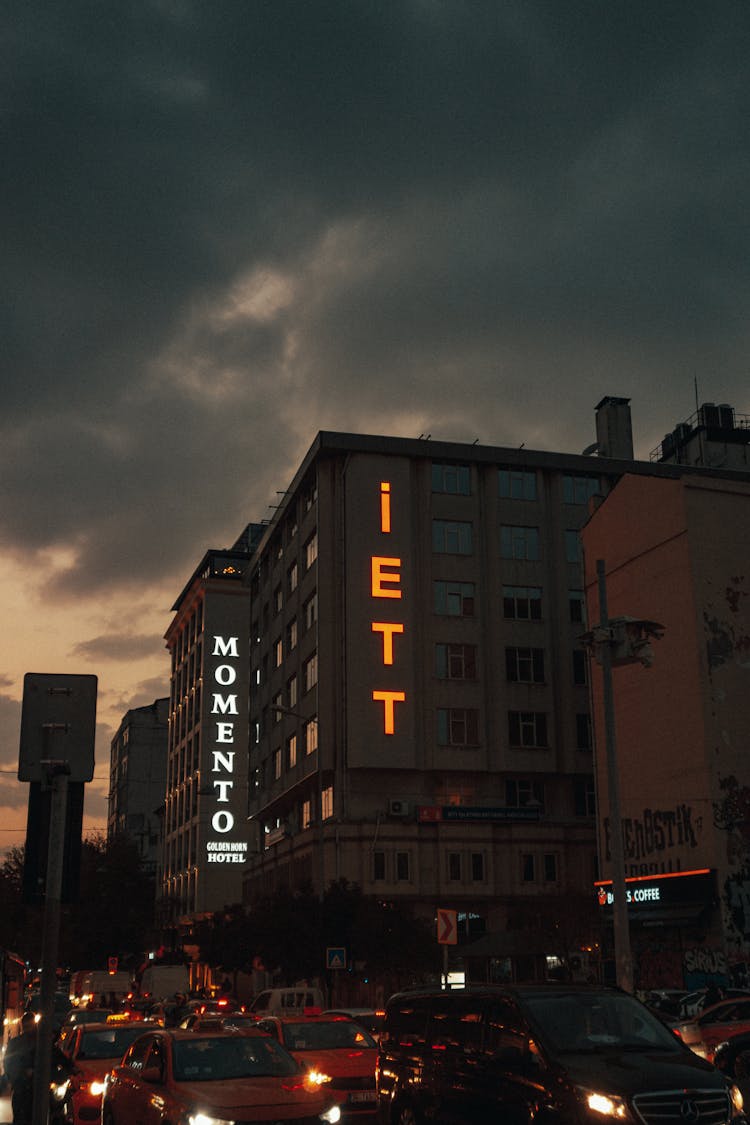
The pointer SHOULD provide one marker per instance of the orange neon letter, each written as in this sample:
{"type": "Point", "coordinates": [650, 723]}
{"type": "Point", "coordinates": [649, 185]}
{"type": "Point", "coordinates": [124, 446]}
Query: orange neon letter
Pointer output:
{"type": "Point", "coordinates": [389, 698]}
{"type": "Point", "coordinates": [385, 506]}
{"type": "Point", "coordinates": [387, 628]}
{"type": "Point", "coordinates": [380, 578]}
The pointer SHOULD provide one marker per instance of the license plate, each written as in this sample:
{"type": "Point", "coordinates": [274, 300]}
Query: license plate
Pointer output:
{"type": "Point", "coordinates": [362, 1096]}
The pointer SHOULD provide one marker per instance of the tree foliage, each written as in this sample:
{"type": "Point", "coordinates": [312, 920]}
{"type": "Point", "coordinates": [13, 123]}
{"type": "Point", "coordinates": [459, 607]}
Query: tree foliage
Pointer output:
{"type": "Point", "coordinates": [288, 932]}
{"type": "Point", "coordinates": [112, 917]}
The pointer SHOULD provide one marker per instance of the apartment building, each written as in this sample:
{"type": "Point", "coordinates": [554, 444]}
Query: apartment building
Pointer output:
{"type": "Point", "coordinates": [419, 701]}
{"type": "Point", "coordinates": [137, 776]}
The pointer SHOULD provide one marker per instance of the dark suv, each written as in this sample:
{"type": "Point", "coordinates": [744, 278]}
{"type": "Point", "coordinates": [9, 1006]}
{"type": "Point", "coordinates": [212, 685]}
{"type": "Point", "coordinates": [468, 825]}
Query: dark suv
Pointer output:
{"type": "Point", "coordinates": [547, 1054]}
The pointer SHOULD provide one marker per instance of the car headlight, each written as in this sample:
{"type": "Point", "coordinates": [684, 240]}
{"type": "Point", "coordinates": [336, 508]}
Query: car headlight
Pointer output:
{"type": "Point", "coordinates": [316, 1077]}
{"type": "Point", "coordinates": [738, 1102]}
{"type": "Point", "coordinates": [605, 1105]}
{"type": "Point", "coordinates": [207, 1119]}
{"type": "Point", "coordinates": [96, 1088]}
{"type": "Point", "coordinates": [59, 1090]}
{"type": "Point", "coordinates": [331, 1115]}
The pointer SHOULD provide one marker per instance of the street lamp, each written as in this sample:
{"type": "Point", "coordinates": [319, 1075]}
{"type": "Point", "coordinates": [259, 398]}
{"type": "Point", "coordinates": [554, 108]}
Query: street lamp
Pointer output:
{"type": "Point", "coordinates": [616, 641]}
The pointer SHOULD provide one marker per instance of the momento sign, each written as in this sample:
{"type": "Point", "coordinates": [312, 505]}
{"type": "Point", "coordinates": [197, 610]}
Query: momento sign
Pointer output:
{"type": "Point", "coordinates": [223, 845]}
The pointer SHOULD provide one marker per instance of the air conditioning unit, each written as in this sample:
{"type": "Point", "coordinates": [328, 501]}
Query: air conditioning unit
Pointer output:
{"type": "Point", "coordinates": [398, 807]}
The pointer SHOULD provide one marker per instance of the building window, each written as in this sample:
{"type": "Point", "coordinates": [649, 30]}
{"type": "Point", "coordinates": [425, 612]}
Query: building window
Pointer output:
{"type": "Point", "coordinates": [515, 484]}
{"type": "Point", "coordinates": [527, 868]}
{"type": "Point", "coordinates": [519, 542]}
{"type": "Point", "coordinates": [572, 546]}
{"type": "Point", "coordinates": [454, 599]}
{"type": "Point", "coordinates": [291, 691]}
{"type": "Point", "coordinates": [521, 792]}
{"type": "Point", "coordinates": [522, 603]}
{"type": "Point", "coordinates": [293, 577]}
{"type": "Point", "coordinates": [291, 751]}
{"type": "Point", "coordinates": [580, 667]}
{"type": "Point", "coordinates": [311, 550]}
{"type": "Point", "coordinates": [477, 867]}
{"type": "Point", "coordinates": [457, 726]}
{"type": "Point", "coordinates": [550, 867]}
{"type": "Point", "coordinates": [378, 866]}
{"type": "Point", "coordinates": [454, 867]}
{"type": "Point", "coordinates": [578, 490]}
{"type": "Point", "coordinates": [276, 764]}
{"type": "Point", "coordinates": [456, 662]}
{"type": "Point", "coordinates": [291, 635]}
{"type": "Point", "coordinates": [310, 495]}
{"type": "Point", "coordinates": [326, 803]}
{"type": "Point", "coordinates": [277, 708]}
{"type": "Point", "coordinates": [451, 537]}
{"type": "Point", "coordinates": [577, 605]}
{"type": "Point", "coordinates": [311, 736]}
{"type": "Point", "coordinates": [524, 665]}
{"type": "Point", "coordinates": [584, 797]}
{"type": "Point", "coordinates": [310, 611]}
{"type": "Point", "coordinates": [527, 728]}
{"type": "Point", "coordinates": [455, 479]}
{"type": "Point", "coordinates": [583, 731]}
{"type": "Point", "coordinates": [278, 600]}
{"type": "Point", "coordinates": [310, 671]}
{"type": "Point", "coordinates": [278, 652]}
{"type": "Point", "coordinates": [306, 818]}
{"type": "Point", "coordinates": [402, 867]}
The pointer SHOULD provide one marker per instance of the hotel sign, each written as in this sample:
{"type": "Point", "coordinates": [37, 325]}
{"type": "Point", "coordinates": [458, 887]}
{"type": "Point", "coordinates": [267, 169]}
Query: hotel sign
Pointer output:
{"type": "Point", "coordinates": [223, 845]}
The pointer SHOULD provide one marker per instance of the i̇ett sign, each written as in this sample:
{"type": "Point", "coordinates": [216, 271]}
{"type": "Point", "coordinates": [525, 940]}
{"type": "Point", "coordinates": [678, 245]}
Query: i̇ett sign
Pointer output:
{"type": "Point", "coordinates": [385, 583]}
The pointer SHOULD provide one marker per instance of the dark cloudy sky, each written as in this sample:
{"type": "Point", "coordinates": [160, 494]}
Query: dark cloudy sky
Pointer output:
{"type": "Point", "coordinates": [227, 225]}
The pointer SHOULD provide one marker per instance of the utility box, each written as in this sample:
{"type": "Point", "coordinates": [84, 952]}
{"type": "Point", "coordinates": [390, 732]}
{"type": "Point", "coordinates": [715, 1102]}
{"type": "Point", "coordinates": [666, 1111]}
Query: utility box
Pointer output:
{"type": "Point", "coordinates": [58, 723]}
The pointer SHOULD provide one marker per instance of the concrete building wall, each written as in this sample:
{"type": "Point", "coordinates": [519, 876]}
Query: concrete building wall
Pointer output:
{"type": "Point", "coordinates": [676, 552]}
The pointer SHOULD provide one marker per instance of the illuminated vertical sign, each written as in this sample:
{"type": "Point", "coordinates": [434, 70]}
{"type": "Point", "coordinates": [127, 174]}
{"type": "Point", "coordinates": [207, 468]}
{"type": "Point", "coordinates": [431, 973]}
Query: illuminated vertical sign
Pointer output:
{"type": "Point", "coordinates": [385, 584]}
{"type": "Point", "coordinates": [224, 674]}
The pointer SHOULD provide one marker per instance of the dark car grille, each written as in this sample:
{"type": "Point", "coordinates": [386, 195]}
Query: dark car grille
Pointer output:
{"type": "Point", "coordinates": [684, 1107]}
{"type": "Point", "coordinates": [366, 1082]}
{"type": "Point", "coordinates": [314, 1120]}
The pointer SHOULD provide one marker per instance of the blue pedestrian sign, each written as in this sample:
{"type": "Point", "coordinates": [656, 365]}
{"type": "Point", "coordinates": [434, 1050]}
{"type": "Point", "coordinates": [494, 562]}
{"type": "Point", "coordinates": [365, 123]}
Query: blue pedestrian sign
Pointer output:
{"type": "Point", "coordinates": [335, 957]}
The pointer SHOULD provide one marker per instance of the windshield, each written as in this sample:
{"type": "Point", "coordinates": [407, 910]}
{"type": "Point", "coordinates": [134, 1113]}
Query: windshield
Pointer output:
{"type": "Point", "coordinates": [327, 1035]}
{"type": "Point", "coordinates": [596, 1021]}
{"type": "Point", "coordinates": [221, 1057]}
{"type": "Point", "coordinates": [109, 1044]}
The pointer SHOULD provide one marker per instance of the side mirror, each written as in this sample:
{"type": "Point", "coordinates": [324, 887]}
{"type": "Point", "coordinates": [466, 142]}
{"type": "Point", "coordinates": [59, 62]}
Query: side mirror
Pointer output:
{"type": "Point", "coordinates": [151, 1074]}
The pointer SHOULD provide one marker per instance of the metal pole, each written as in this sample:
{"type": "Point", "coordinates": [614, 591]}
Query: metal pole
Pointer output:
{"type": "Point", "coordinates": [58, 776]}
{"type": "Point", "coordinates": [623, 957]}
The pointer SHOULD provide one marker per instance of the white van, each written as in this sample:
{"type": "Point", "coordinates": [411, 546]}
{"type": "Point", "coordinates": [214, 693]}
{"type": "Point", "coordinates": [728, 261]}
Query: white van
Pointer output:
{"type": "Point", "coordinates": [91, 987]}
{"type": "Point", "coordinates": [290, 1001]}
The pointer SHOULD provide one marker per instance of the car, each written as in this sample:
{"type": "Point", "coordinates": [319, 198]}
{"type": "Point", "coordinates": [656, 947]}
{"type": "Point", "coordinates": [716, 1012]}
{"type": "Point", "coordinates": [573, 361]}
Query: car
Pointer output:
{"type": "Point", "coordinates": [693, 1003]}
{"type": "Point", "coordinates": [338, 1048]}
{"type": "Point", "coordinates": [176, 1076]}
{"type": "Point", "coordinates": [732, 1056]}
{"type": "Point", "coordinates": [566, 1054]}
{"type": "Point", "coordinates": [91, 1050]}
{"type": "Point", "coordinates": [369, 1018]}
{"type": "Point", "coordinates": [710, 1027]}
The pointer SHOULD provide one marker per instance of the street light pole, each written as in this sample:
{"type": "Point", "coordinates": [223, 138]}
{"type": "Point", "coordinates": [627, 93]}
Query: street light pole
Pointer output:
{"type": "Point", "coordinates": [621, 926]}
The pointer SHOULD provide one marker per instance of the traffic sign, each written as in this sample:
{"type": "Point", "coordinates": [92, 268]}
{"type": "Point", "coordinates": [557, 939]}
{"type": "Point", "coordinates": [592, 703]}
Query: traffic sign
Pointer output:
{"type": "Point", "coordinates": [58, 724]}
{"type": "Point", "coordinates": [447, 927]}
{"type": "Point", "coordinates": [335, 957]}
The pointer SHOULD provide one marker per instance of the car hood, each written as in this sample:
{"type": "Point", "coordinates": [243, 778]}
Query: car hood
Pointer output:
{"type": "Point", "coordinates": [340, 1062]}
{"type": "Point", "coordinates": [627, 1072]}
{"type": "Point", "coordinates": [88, 1069]}
{"type": "Point", "coordinates": [240, 1094]}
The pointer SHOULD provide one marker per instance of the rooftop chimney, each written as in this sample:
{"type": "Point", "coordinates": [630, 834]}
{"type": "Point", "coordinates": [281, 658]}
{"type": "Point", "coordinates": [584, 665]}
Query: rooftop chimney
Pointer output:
{"type": "Point", "coordinates": [614, 432]}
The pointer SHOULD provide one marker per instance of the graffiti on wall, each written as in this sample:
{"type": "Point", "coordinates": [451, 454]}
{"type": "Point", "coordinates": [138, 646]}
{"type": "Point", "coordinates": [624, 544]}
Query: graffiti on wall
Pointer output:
{"type": "Point", "coordinates": [656, 832]}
